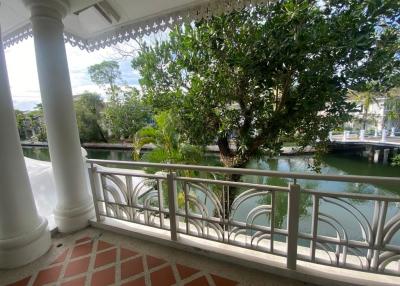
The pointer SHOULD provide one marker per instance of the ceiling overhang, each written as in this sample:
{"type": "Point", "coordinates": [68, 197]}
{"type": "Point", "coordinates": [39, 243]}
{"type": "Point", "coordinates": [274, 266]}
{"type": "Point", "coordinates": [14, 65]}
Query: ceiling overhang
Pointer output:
{"type": "Point", "coordinates": [93, 25]}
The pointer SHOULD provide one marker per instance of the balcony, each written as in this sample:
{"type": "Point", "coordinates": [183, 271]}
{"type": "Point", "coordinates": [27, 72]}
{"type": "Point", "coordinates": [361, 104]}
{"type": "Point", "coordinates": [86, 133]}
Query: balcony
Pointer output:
{"type": "Point", "coordinates": [139, 223]}
{"type": "Point", "coordinates": [165, 224]}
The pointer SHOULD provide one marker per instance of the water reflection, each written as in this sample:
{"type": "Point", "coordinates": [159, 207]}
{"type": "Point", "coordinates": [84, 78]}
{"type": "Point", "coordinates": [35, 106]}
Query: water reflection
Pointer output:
{"type": "Point", "coordinates": [333, 164]}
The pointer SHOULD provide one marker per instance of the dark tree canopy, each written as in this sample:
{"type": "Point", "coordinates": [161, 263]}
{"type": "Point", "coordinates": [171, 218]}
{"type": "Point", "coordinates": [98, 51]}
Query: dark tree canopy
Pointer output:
{"type": "Point", "coordinates": [271, 73]}
{"type": "Point", "coordinates": [89, 108]}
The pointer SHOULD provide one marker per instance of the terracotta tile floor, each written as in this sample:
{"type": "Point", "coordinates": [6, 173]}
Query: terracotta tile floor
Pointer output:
{"type": "Point", "coordinates": [99, 261]}
{"type": "Point", "coordinates": [100, 258]}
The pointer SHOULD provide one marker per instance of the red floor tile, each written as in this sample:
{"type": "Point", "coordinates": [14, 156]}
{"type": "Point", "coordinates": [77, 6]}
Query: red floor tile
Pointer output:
{"type": "Point", "coordinates": [103, 277]}
{"type": "Point", "coordinates": [77, 267]}
{"type": "Point", "coordinates": [81, 250]}
{"type": "Point", "coordinates": [105, 258]}
{"type": "Point", "coordinates": [126, 253]}
{"type": "Point", "coordinates": [22, 282]}
{"type": "Point", "coordinates": [48, 275]}
{"type": "Point", "coordinates": [75, 282]}
{"type": "Point", "coordinates": [220, 281]}
{"type": "Point", "coordinates": [185, 271]}
{"type": "Point", "coordinates": [103, 245]}
{"type": "Point", "coordinates": [154, 261]}
{"type": "Point", "coordinates": [83, 239]}
{"type": "Point", "coordinates": [61, 257]}
{"type": "Point", "coordinates": [201, 281]}
{"type": "Point", "coordinates": [132, 267]}
{"type": "Point", "coordinates": [137, 282]}
{"type": "Point", "coordinates": [163, 277]}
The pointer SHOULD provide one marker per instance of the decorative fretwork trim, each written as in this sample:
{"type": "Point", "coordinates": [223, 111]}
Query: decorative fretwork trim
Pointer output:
{"type": "Point", "coordinates": [142, 28]}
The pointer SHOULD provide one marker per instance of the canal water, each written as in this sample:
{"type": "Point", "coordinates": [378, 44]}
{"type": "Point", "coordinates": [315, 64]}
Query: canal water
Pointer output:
{"type": "Point", "coordinates": [336, 164]}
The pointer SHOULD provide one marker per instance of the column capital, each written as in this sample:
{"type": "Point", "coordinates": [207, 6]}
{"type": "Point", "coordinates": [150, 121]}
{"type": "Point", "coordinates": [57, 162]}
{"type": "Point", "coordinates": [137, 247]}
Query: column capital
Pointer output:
{"type": "Point", "coordinates": [56, 9]}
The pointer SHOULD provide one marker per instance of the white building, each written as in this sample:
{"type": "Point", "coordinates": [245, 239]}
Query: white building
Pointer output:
{"type": "Point", "coordinates": [116, 201]}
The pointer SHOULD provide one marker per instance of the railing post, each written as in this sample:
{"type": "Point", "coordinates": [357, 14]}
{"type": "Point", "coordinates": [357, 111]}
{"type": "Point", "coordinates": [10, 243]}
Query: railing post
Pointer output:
{"type": "Point", "coordinates": [384, 135]}
{"type": "Point", "coordinates": [92, 185]}
{"type": "Point", "coordinates": [172, 205]}
{"type": "Point", "coordinates": [293, 225]}
{"type": "Point", "coordinates": [362, 135]}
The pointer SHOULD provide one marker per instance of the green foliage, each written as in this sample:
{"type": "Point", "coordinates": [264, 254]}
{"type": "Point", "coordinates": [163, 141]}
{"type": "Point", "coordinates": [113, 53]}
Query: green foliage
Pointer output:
{"type": "Point", "coordinates": [366, 98]}
{"type": "Point", "coordinates": [89, 108]}
{"type": "Point", "coordinates": [20, 118]}
{"type": "Point", "coordinates": [106, 74]}
{"type": "Point", "coordinates": [36, 118]}
{"type": "Point", "coordinates": [268, 73]}
{"type": "Point", "coordinates": [126, 113]}
{"type": "Point", "coordinates": [392, 107]}
{"type": "Point", "coordinates": [169, 147]}
{"type": "Point", "coordinates": [396, 161]}
{"type": "Point", "coordinates": [31, 124]}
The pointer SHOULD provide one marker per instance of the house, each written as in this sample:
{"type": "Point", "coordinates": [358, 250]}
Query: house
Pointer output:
{"type": "Point", "coordinates": [118, 206]}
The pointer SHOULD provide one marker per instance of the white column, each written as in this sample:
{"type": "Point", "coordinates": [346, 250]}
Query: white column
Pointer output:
{"type": "Point", "coordinates": [362, 135]}
{"type": "Point", "coordinates": [344, 138]}
{"type": "Point", "coordinates": [384, 134]}
{"type": "Point", "coordinates": [74, 204]}
{"type": "Point", "coordinates": [330, 136]}
{"type": "Point", "coordinates": [392, 132]}
{"type": "Point", "coordinates": [23, 233]}
{"type": "Point", "coordinates": [386, 156]}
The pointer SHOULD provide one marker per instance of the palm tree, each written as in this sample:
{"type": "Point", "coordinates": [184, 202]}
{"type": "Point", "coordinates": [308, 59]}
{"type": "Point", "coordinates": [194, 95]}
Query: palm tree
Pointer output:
{"type": "Point", "coordinates": [393, 106]}
{"type": "Point", "coordinates": [168, 144]}
{"type": "Point", "coordinates": [366, 98]}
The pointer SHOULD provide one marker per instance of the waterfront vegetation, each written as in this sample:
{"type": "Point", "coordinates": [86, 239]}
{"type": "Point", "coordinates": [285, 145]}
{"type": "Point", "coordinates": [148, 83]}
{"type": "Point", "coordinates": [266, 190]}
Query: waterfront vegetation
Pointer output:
{"type": "Point", "coordinates": [248, 82]}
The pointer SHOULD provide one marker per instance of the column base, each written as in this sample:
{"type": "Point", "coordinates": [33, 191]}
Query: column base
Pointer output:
{"type": "Point", "coordinates": [23, 249]}
{"type": "Point", "coordinates": [70, 220]}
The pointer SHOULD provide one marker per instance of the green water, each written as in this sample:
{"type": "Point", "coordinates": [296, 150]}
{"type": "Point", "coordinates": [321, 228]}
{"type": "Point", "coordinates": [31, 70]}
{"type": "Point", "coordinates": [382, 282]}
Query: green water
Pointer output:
{"type": "Point", "coordinates": [338, 164]}
{"type": "Point", "coordinates": [332, 164]}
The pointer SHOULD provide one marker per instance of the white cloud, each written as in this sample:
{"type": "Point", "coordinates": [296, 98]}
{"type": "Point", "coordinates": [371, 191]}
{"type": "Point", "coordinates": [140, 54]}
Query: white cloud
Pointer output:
{"type": "Point", "coordinates": [21, 64]}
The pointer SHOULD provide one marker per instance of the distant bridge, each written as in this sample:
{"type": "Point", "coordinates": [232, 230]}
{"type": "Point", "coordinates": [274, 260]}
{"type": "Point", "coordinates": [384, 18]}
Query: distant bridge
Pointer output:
{"type": "Point", "coordinates": [375, 148]}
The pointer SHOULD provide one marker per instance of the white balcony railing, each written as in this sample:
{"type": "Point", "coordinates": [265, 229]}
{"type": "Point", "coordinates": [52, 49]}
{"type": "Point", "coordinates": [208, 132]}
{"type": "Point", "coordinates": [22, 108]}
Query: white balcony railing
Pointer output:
{"type": "Point", "coordinates": [286, 218]}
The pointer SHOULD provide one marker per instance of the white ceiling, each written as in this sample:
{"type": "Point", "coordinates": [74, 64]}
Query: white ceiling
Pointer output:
{"type": "Point", "coordinates": [90, 23]}
{"type": "Point", "coordinates": [112, 21]}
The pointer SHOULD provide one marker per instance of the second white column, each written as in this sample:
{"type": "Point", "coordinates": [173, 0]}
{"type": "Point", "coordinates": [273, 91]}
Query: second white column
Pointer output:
{"type": "Point", "coordinates": [74, 204]}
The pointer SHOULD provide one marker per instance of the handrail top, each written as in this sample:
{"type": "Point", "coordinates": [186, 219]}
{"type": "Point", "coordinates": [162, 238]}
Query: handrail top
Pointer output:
{"type": "Point", "coordinates": [293, 175]}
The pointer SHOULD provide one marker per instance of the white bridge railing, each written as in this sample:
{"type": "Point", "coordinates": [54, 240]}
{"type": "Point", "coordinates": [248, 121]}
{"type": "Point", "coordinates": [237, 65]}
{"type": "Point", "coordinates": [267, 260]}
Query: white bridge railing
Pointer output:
{"type": "Point", "coordinates": [275, 213]}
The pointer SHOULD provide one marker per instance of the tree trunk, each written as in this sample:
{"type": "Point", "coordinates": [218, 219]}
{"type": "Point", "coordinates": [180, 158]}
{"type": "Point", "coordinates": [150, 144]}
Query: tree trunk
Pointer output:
{"type": "Point", "coordinates": [230, 160]}
{"type": "Point", "coordinates": [101, 133]}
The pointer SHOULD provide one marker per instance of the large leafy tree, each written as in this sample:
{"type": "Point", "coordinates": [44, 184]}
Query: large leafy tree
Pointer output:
{"type": "Point", "coordinates": [271, 73]}
{"type": "Point", "coordinates": [106, 74]}
{"type": "Point", "coordinates": [89, 109]}
{"type": "Point", "coordinates": [126, 113]}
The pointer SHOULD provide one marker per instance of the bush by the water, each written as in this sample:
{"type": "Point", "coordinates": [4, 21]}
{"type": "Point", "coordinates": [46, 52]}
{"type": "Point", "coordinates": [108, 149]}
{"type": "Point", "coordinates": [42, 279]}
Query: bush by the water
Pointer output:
{"type": "Point", "coordinates": [396, 160]}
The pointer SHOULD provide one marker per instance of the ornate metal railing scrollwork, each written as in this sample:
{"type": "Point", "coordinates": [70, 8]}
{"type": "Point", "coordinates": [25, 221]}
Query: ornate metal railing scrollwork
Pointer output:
{"type": "Point", "coordinates": [347, 230]}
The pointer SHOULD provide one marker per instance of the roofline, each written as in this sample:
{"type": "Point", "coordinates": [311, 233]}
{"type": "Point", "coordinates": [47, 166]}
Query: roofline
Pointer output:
{"type": "Point", "coordinates": [141, 27]}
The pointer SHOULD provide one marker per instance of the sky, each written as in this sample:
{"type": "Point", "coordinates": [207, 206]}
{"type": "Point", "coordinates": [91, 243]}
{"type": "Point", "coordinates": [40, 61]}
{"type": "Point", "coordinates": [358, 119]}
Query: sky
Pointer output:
{"type": "Point", "coordinates": [22, 72]}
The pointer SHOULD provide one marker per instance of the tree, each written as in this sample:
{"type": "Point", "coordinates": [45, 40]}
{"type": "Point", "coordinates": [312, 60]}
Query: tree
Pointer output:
{"type": "Point", "coordinates": [396, 161]}
{"type": "Point", "coordinates": [89, 108]}
{"type": "Point", "coordinates": [20, 118]}
{"type": "Point", "coordinates": [366, 98]}
{"type": "Point", "coordinates": [106, 74]}
{"type": "Point", "coordinates": [169, 147]}
{"type": "Point", "coordinates": [269, 73]}
{"type": "Point", "coordinates": [126, 113]}
{"type": "Point", "coordinates": [392, 107]}
{"type": "Point", "coordinates": [37, 126]}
